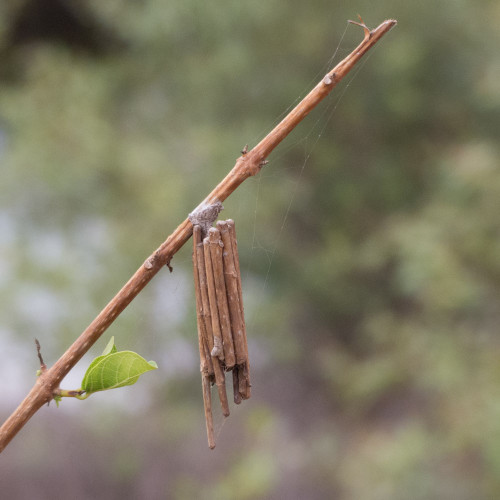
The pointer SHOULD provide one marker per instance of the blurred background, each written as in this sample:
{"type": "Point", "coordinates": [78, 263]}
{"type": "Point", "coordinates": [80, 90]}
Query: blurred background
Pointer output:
{"type": "Point", "coordinates": [369, 246]}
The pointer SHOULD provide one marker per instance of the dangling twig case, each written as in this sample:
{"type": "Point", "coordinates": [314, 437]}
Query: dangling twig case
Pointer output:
{"type": "Point", "coordinates": [221, 323]}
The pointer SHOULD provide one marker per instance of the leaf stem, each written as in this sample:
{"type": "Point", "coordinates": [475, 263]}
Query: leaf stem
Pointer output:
{"type": "Point", "coordinates": [78, 394]}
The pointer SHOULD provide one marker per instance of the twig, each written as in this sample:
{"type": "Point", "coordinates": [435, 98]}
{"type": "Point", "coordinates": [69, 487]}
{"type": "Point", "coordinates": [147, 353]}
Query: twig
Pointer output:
{"type": "Point", "coordinates": [217, 350]}
{"type": "Point", "coordinates": [215, 245]}
{"type": "Point", "coordinates": [206, 365]}
{"type": "Point", "coordinates": [43, 366]}
{"type": "Point", "coordinates": [214, 362]}
{"type": "Point", "coordinates": [247, 165]}
{"type": "Point", "coordinates": [220, 382]}
{"type": "Point", "coordinates": [206, 327]}
{"type": "Point", "coordinates": [233, 299]}
{"type": "Point", "coordinates": [202, 334]}
{"type": "Point", "coordinates": [236, 385]}
{"type": "Point", "coordinates": [207, 404]}
{"type": "Point", "coordinates": [244, 369]}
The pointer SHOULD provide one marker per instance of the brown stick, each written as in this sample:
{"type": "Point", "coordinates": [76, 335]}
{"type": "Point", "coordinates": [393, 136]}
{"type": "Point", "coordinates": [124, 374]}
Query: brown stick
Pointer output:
{"type": "Point", "coordinates": [43, 366]}
{"type": "Point", "coordinates": [244, 369]}
{"type": "Point", "coordinates": [203, 339]}
{"type": "Point", "coordinates": [236, 385]}
{"type": "Point", "coordinates": [233, 296]}
{"type": "Point", "coordinates": [220, 382]}
{"type": "Point", "coordinates": [215, 244]}
{"type": "Point", "coordinates": [241, 372]}
{"type": "Point", "coordinates": [207, 404]}
{"type": "Point", "coordinates": [218, 349]}
{"type": "Point", "coordinates": [246, 166]}
{"type": "Point", "coordinates": [236, 258]}
{"type": "Point", "coordinates": [244, 380]}
{"type": "Point", "coordinates": [200, 258]}
{"type": "Point", "coordinates": [214, 361]}
{"type": "Point", "coordinates": [199, 307]}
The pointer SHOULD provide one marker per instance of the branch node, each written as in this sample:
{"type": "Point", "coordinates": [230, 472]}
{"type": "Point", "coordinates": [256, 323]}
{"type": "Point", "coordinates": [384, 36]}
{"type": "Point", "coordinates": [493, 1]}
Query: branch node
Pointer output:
{"type": "Point", "coordinates": [244, 151]}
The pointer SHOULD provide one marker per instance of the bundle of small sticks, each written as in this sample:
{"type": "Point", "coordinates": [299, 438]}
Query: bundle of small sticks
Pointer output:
{"type": "Point", "coordinates": [221, 324]}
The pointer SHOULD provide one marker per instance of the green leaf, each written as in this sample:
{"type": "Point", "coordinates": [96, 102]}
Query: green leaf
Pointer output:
{"type": "Point", "coordinates": [110, 347]}
{"type": "Point", "coordinates": [116, 369]}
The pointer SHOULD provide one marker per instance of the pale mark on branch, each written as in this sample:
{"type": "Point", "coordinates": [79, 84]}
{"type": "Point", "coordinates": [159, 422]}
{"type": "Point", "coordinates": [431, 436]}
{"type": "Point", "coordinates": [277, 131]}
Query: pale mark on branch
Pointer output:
{"type": "Point", "coordinates": [205, 214]}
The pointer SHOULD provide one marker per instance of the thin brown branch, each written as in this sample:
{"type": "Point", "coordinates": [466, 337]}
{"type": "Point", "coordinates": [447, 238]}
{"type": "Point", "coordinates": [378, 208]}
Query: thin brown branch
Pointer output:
{"type": "Point", "coordinates": [202, 334]}
{"type": "Point", "coordinates": [214, 363]}
{"type": "Point", "coordinates": [243, 369]}
{"type": "Point", "coordinates": [207, 405]}
{"type": "Point", "coordinates": [215, 245]}
{"type": "Point", "coordinates": [206, 320]}
{"type": "Point", "coordinates": [246, 166]}
{"type": "Point", "coordinates": [218, 349]}
{"type": "Point", "coordinates": [244, 380]}
{"type": "Point", "coordinates": [233, 298]}
{"type": "Point", "coordinates": [236, 385]}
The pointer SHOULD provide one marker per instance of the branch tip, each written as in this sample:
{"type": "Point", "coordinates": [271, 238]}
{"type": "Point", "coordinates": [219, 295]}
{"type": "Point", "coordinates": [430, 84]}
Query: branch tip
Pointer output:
{"type": "Point", "coordinates": [367, 30]}
{"type": "Point", "coordinates": [43, 366]}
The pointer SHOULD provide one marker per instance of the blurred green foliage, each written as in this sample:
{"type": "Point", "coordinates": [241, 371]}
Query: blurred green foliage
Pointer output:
{"type": "Point", "coordinates": [370, 244]}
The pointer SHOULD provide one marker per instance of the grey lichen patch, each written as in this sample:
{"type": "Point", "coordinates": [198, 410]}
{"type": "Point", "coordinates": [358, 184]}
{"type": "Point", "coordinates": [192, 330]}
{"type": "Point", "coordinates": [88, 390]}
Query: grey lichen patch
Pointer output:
{"type": "Point", "coordinates": [205, 215]}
